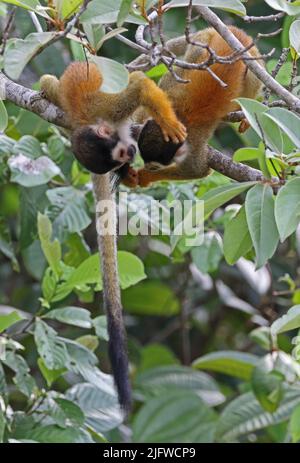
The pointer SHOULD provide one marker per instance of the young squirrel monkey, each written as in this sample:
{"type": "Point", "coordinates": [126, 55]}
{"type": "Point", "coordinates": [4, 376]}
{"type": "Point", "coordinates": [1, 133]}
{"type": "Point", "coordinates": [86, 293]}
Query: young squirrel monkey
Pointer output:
{"type": "Point", "coordinates": [201, 105]}
{"type": "Point", "coordinates": [102, 142]}
{"type": "Point", "coordinates": [101, 138]}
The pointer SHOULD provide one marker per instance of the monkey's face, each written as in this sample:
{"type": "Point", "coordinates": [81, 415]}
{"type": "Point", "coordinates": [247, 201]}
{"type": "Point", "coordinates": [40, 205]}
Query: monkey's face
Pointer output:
{"type": "Point", "coordinates": [154, 148]}
{"type": "Point", "coordinates": [101, 148]}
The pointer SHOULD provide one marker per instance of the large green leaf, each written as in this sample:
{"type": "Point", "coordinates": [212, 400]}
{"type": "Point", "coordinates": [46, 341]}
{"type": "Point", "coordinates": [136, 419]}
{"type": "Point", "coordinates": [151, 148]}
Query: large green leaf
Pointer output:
{"type": "Point", "coordinates": [50, 348]}
{"type": "Point", "coordinates": [32, 172]}
{"type": "Point", "coordinates": [288, 121]}
{"type": "Point", "coordinates": [71, 315]}
{"type": "Point", "coordinates": [162, 379]}
{"type": "Point", "coordinates": [244, 415]}
{"type": "Point", "coordinates": [68, 211]}
{"type": "Point", "coordinates": [68, 7]}
{"type": "Point", "coordinates": [228, 362]}
{"type": "Point", "coordinates": [19, 52]}
{"type": "Point", "coordinates": [124, 11]}
{"type": "Point", "coordinates": [291, 8]}
{"type": "Point", "coordinates": [99, 404]}
{"type": "Point", "coordinates": [287, 208]}
{"type": "Point", "coordinates": [221, 195]}
{"type": "Point", "coordinates": [151, 298]}
{"type": "Point", "coordinates": [51, 249]}
{"type": "Point", "coordinates": [115, 75]}
{"type": "Point", "coordinates": [52, 434]}
{"type": "Point", "coordinates": [23, 379]}
{"type": "Point", "coordinates": [237, 240]}
{"type": "Point", "coordinates": [233, 6]}
{"type": "Point", "coordinates": [261, 221]}
{"type": "Point", "coordinates": [107, 12]}
{"type": "Point", "coordinates": [295, 36]}
{"type": "Point", "coordinates": [174, 417]}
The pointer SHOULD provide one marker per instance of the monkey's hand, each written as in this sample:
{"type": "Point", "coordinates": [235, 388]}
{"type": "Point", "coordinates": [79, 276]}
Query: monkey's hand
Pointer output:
{"type": "Point", "coordinates": [131, 179]}
{"type": "Point", "coordinates": [173, 130]}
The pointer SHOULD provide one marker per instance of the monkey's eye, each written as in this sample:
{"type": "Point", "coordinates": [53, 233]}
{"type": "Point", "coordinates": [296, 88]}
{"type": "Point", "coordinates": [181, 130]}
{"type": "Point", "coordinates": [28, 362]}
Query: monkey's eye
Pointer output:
{"type": "Point", "coordinates": [104, 131]}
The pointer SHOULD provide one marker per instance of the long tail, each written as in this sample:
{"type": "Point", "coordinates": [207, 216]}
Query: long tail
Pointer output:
{"type": "Point", "coordinates": [79, 86]}
{"type": "Point", "coordinates": [111, 288]}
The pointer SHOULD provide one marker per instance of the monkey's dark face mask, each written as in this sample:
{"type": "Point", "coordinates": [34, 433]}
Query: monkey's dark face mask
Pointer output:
{"type": "Point", "coordinates": [154, 148]}
{"type": "Point", "coordinates": [100, 149]}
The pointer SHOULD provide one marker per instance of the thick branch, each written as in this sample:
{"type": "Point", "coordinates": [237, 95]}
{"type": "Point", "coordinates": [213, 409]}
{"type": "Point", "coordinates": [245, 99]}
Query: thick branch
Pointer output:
{"type": "Point", "coordinates": [34, 102]}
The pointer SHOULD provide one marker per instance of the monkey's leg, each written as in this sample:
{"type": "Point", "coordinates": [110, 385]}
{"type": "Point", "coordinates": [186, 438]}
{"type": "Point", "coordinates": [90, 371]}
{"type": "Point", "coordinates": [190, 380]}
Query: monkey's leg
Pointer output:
{"type": "Point", "coordinates": [50, 87]}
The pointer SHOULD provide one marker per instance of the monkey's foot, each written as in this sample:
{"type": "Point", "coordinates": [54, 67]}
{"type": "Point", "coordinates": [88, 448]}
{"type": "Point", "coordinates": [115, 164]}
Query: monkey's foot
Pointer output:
{"type": "Point", "coordinates": [173, 130]}
{"type": "Point", "coordinates": [132, 179]}
{"type": "Point", "coordinates": [145, 177]}
{"type": "Point", "coordinates": [244, 125]}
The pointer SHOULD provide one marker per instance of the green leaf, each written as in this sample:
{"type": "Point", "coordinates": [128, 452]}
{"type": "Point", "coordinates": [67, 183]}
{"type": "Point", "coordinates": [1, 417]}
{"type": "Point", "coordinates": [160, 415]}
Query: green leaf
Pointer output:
{"type": "Point", "coordinates": [289, 321]}
{"type": "Point", "coordinates": [221, 195]}
{"type": "Point", "coordinates": [155, 355]}
{"type": "Point", "coordinates": [71, 315]}
{"type": "Point", "coordinates": [67, 8]}
{"type": "Point", "coordinates": [246, 154]}
{"type": "Point", "coordinates": [100, 325]}
{"type": "Point", "coordinates": [237, 240]}
{"type": "Point", "coordinates": [267, 385]}
{"type": "Point", "coordinates": [89, 341]}
{"type": "Point", "coordinates": [295, 424]}
{"type": "Point", "coordinates": [50, 348]}
{"type": "Point", "coordinates": [262, 336]}
{"type": "Point", "coordinates": [287, 121]}
{"type": "Point", "coordinates": [255, 114]}
{"type": "Point", "coordinates": [231, 363]}
{"type": "Point", "coordinates": [107, 12]}
{"type": "Point", "coordinates": [124, 11]}
{"type": "Point", "coordinates": [3, 117]}
{"type": "Point", "coordinates": [32, 172]}
{"type": "Point", "coordinates": [19, 52]}
{"type": "Point", "coordinates": [72, 413]}
{"type": "Point", "coordinates": [287, 208]}
{"type": "Point", "coordinates": [115, 75]}
{"type": "Point", "coordinates": [23, 380]}
{"type": "Point", "coordinates": [232, 6]}
{"type": "Point", "coordinates": [29, 146]}
{"type": "Point", "coordinates": [51, 249]}
{"type": "Point", "coordinates": [244, 415]}
{"type": "Point", "coordinates": [261, 221]}
{"type": "Point", "coordinates": [164, 379]}
{"type": "Point", "coordinates": [26, 4]}
{"type": "Point", "coordinates": [68, 211]}
{"type": "Point", "coordinates": [295, 36]}
{"type": "Point", "coordinates": [99, 404]}
{"type": "Point", "coordinates": [131, 271]}
{"type": "Point", "coordinates": [208, 255]}
{"type": "Point", "coordinates": [50, 375]}
{"type": "Point", "coordinates": [7, 320]}
{"type": "Point", "coordinates": [151, 298]}
{"type": "Point", "coordinates": [290, 8]}
{"type": "Point", "coordinates": [174, 417]}
{"type": "Point", "coordinates": [52, 434]}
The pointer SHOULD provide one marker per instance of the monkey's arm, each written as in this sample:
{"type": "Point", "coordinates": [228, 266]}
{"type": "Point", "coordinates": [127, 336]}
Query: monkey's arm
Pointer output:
{"type": "Point", "coordinates": [142, 91]}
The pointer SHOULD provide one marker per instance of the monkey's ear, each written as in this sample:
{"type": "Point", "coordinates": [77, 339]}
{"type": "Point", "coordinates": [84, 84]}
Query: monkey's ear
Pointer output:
{"type": "Point", "coordinates": [104, 130]}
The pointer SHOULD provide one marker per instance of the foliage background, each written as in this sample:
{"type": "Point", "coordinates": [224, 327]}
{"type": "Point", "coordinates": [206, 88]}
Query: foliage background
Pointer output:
{"type": "Point", "coordinates": [205, 366]}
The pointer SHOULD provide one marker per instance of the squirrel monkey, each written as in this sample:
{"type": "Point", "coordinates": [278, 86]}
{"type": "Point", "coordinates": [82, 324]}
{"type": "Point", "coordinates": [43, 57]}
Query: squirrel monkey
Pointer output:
{"type": "Point", "coordinates": [102, 142]}
{"type": "Point", "coordinates": [201, 105]}
{"type": "Point", "coordinates": [101, 138]}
